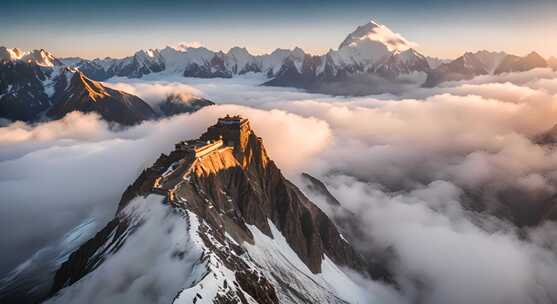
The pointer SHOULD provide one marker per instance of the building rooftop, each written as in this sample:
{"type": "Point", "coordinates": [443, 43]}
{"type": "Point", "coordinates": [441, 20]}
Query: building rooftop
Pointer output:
{"type": "Point", "coordinates": [196, 146]}
{"type": "Point", "coordinates": [232, 120]}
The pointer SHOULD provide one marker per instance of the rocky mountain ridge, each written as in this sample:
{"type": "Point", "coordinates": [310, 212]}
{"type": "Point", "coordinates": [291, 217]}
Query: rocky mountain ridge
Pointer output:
{"type": "Point", "coordinates": [33, 91]}
{"type": "Point", "coordinates": [246, 218]}
{"type": "Point", "coordinates": [82, 94]}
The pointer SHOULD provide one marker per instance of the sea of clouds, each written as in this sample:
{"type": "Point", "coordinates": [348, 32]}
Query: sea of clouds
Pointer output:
{"type": "Point", "coordinates": [417, 169]}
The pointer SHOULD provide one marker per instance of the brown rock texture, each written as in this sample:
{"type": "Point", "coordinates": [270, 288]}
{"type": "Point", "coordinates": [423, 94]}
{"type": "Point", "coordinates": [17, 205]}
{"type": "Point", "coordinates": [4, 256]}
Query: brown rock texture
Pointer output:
{"type": "Point", "coordinates": [230, 188]}
{"type": "Point", "coordinates": [86, 95]}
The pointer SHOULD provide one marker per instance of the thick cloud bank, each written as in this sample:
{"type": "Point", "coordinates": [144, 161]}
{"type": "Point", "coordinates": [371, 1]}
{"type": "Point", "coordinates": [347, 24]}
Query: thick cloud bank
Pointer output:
{"type": "Point", "coordinates": [54, 175]}
{"type": "Point", "coordinates": [448, 180]}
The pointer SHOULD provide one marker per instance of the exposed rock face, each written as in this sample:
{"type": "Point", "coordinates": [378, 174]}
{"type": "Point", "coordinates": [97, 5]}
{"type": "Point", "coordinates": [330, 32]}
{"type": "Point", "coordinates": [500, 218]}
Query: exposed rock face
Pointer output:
{"type": "Point", "coordinates": [378, 259]}
{"type": "Point", "coordinates": [230, 187]}
{"type": "Point", "coordinates": [178, 103]}
{"type": "Point", "coordinates": [22, 95]}
{"type": "Point", "coordinates": [86, 95]}
{"type": "Point", "coordinates": [263, 193]}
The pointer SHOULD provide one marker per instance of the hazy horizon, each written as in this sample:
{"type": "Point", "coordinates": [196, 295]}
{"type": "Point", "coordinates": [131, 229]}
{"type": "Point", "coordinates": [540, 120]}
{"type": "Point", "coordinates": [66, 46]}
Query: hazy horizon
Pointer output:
{"type": "Point", "coordinates": [439, 28]}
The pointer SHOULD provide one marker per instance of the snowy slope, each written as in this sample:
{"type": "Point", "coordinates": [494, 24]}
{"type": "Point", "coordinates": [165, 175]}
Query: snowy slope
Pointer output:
{"type": "Point", "coordinates": [140, 266]}
{"type": "Point", "coordinates": [373, 33]}
{"type": "Point", "coordinates": [369, 44]}
{"type": "Point", "coordinates": [280, 262]}
{"type": "Point", "coordinates": [39, 57]}
{"type": "Point", "coordinates": [126, 272]}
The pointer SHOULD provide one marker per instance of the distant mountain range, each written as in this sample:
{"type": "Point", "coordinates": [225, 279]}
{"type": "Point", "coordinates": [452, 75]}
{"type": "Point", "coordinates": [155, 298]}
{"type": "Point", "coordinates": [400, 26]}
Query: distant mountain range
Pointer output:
{"type": "Point", "coordinates": [471, 65]}
{"type": "Point", "coordinates": [370, 60]}
{"type": "Point", "coordinates": [37, 87]}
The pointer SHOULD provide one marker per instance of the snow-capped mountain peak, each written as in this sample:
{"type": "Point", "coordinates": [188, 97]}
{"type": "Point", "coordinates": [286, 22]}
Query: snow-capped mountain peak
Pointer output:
{"type": "Point", "coordinates": [368, 45]}
{"type": "Point", "coordinates": [150, 53]}
{"type": "Point", "coordinates": [377, 33]}
{"type": "Point", "coordinates": [182, 56]}
{"type": "Point", "coordinates": [408, 55]}
{"type": "Point", "coordinates": [239, 60]}
{"type": "Point", "coordinates": [298, 52]}
{"type": "Point", "coordinates": [10, 54]}
{"type": "Point", "coordinates": [40, 57]}
{"type": "Point", "coordinates": [238, 52]}
{"type": "Point", "coordinates": [371, 50]}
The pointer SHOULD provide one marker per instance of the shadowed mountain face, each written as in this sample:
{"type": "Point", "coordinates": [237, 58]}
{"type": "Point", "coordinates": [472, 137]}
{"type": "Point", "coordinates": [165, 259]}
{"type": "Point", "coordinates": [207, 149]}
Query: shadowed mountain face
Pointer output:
{"type": "Point", "coordinates": [85, 95]}
{"type": "Point", "coordinates": [21, 90]}
{"type": "Point", "coordinates": [227, 183]}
